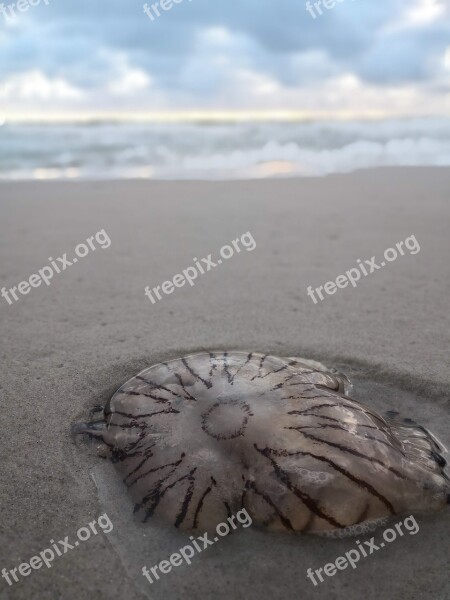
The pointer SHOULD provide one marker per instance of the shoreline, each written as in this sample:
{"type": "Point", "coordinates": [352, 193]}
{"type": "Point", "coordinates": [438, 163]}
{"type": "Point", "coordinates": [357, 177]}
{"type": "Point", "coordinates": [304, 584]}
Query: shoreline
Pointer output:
{"type": "Point", "coordinates": [202, 180]}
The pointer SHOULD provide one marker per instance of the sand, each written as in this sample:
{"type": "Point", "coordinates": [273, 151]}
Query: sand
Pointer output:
{"type": "Point", "coordinates": [68, 346]}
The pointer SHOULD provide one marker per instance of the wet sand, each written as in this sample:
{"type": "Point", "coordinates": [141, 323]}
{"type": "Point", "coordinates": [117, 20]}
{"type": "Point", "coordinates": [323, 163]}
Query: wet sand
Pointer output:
{"type": "Point", "coordinates": [68, 346]}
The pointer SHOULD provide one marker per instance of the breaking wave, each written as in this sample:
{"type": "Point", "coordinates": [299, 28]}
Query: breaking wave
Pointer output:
{"type": "Point", "coordinates": [218, 151]}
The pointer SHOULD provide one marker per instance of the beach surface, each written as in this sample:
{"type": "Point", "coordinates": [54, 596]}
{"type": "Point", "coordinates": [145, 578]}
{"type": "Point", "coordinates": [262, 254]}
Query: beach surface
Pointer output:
{"type": "Point", "coordinates": [66, 347]}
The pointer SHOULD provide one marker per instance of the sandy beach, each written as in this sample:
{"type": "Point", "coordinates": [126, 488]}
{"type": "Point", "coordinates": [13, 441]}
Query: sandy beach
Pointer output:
{"type": "Point", "coordinates": [69, 345]}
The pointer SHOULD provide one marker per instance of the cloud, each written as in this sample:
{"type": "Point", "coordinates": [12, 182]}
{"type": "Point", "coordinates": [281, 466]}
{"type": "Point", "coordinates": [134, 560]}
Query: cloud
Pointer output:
{"type": "Point", "coordinates": [36, 86]}
{"type": "Point", "coordinates": [226, 54]}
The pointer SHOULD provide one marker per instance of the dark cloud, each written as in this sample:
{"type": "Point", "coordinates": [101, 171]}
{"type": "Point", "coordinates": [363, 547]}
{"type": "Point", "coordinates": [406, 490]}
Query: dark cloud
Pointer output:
{"type": "Point", "coordinates": [81, 41]}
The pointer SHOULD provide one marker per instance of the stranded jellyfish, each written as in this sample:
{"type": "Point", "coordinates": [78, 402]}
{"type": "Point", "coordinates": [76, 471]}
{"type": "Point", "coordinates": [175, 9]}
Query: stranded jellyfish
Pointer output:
{"type": "Point", "coordinates": [198, 438]}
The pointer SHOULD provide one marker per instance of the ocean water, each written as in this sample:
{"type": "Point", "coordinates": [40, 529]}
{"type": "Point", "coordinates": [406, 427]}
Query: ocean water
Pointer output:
{"type": "Point", "coordinates": [218, 150]}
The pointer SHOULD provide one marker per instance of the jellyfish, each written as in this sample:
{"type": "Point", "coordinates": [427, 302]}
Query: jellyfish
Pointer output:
{"type": "Point", "coordinates": [198, 438]}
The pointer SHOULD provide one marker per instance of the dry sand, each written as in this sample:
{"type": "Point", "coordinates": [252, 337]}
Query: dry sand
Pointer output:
{"type": "Point", "coordinates": [69, 345]}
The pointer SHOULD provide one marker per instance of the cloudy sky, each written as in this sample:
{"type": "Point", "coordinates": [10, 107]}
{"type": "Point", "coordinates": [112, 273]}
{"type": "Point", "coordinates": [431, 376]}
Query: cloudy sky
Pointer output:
{"type": "Point", "coordinates": [91, 57]}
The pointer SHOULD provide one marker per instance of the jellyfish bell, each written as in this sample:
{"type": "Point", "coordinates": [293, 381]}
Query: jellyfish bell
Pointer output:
{"type": "Point", "coordinates": [197, 439]}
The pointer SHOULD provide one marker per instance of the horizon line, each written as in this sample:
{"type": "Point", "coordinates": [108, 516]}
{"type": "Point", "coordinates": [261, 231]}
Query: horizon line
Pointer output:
{"type": "Point", "coordinates": [205, 116]}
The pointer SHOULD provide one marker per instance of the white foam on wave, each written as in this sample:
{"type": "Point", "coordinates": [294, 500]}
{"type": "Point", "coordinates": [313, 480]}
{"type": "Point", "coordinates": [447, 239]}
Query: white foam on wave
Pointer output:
{"type": "Point", "coordinates": [276, 159]}
{"type": "Point", "coordinates": [220, 151]}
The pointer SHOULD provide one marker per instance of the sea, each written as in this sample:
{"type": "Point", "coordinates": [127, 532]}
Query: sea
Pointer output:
{"type": "Point", "coordinates": [218, 150]}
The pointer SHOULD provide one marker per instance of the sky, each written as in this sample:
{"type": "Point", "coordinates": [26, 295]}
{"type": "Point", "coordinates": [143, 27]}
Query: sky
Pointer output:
{"type": "Point", "coordinates": [361, 58]}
